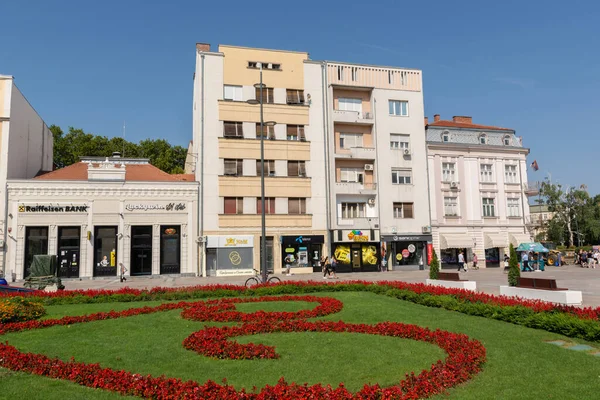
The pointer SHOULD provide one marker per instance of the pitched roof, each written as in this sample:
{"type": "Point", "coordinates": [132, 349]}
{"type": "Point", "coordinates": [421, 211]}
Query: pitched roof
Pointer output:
{"type": "Point", "coordinates": [452, 124]}
{"type": "Point", "coordinates": [133, 172]}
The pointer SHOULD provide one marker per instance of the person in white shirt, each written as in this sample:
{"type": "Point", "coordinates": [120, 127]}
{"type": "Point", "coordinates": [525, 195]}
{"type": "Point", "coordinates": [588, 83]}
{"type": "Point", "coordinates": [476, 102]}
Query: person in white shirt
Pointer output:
{"type": "Point", "coordinates": [461, 261]}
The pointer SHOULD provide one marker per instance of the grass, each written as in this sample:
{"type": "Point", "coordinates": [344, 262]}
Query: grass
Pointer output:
{"type": "Point", "coordinates": [520, 364]}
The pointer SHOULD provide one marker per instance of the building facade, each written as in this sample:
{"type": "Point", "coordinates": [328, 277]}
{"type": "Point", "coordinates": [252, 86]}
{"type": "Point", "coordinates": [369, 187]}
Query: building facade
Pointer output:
{"type": "Point", "coordinates": [539, 217]}
{"type": "Point", "coordinates": [25, 148]}
{"type": "Point", "coordinates": [98, 213]}
{"type": "Point", "coordinates": [478, 188]}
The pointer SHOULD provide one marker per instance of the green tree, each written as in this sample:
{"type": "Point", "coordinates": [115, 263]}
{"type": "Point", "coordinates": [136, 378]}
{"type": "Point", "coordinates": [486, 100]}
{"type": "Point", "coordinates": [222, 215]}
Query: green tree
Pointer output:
{"type": "Point", "coordinates": [514, 273]}
{"type": "Point", "coordinates": [434, 268]}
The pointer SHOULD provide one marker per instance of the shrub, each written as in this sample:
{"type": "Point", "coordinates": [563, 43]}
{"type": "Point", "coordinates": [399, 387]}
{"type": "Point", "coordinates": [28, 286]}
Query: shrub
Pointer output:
{"type": "Point", "coordinates": [19, 309]}
{"type": "Point", "coordinates": [514, 273]}
{"type": "Point", "coordinates": [434, 268]}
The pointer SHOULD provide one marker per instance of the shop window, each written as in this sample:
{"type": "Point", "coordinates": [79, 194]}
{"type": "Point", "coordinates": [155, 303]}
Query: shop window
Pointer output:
{"type": "Point", "coordinates": [141, 250]}
{"type": "Point", "coordinates": [68, 251]}
{"type": "Point", "coordinates": [170, 249]}
{"type": "Point", "coordinates": [36, 243]}
{"type": "Point", "coordinates": [105, 250]}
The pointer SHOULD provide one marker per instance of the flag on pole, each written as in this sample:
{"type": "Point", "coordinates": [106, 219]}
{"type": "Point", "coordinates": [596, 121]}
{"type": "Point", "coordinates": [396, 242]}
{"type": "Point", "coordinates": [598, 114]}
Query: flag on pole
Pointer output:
{"type": "Point", "coordinates": [534, 165]}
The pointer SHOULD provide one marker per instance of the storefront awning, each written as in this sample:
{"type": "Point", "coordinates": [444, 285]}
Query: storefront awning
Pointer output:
{"type": "Point", "coordinates": [517, 238]}
{"type": "Point", "coordinates": [456, 241]}
{"type": "Point", "coordinates": [492, 240]}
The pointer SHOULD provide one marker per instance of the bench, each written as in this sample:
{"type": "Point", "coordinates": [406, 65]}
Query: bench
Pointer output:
{"type": "Point", "coordinates": [539, 283]}
{"type": "Point", "coordinates": [449, 276]}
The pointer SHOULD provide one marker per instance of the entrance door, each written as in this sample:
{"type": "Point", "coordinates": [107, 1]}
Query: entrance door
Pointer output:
{"type": "Point", "coordinates": [141, 250]}
{"type": "Point", "coordinates": [68, 251]}
{"type": "Point", "coordinates": [105, 251]}
{"type": "Point", "coordinates": [169, 249]}
{"type": "Point", "coordinates": [315, 257]}
{"type": "Point", "coordinates": [356, 257]}
{"type": "Point", "coordinates": [36, 243]}
{"type": "Point", "coordinates": [270, 259]}
{"type": "Point", "coordinates": [211, 262]}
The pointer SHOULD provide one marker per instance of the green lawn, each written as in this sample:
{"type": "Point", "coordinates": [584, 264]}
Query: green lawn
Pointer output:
{"type": "Point", "coordinates": [520, 365]}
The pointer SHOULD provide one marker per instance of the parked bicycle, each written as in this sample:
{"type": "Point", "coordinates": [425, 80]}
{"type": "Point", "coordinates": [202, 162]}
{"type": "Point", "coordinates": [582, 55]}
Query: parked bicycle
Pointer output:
{"type": "Point", "coordinates": [257, 279]}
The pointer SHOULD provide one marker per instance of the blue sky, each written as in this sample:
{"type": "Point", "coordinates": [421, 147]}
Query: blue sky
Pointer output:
{"type": "Point", "coordinates": [528, 65]}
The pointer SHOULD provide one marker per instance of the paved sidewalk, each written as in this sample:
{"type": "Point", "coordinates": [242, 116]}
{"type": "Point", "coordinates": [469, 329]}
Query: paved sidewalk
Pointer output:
{"type": "Point", "coordinates": [488, 280]}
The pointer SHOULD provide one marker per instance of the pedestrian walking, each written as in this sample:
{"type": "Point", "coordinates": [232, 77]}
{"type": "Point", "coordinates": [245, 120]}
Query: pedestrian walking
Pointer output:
{"type": "Point", "coordinates": [122, 271]}
{"type": "Point", "coordinates": [475, 261]}
{"type": "Point", "coordinates": [326, 266]}
{"type": "Point", "coordinates": [461, 261]}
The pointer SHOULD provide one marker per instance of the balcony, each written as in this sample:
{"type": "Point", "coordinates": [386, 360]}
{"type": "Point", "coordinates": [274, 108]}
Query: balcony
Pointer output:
{"type": "Point", "coordinates": [359, 223]}
{"type": "Point", "coordinates": [358, 153]}
{"type": "Point", "coordinates": [355, 188]}
{"type": "Point", "coordinates": [352, 117]}
{"type": "Point", "coordinates": [531, 189]}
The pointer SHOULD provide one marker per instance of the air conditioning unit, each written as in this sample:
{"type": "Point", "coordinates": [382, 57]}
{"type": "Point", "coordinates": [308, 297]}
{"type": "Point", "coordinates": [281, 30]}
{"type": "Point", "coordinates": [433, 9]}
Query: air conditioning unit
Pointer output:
{"type": "Point", "coordinates": [368, 167]}
{"type": "Point", "coordinates": [426, 229]}
{"type": "Point", "coordinates": [453, 185]}
{"type": "Point", "coordinates": [407, 152]}
{"type": "Point", "coordinates": [372, 201]}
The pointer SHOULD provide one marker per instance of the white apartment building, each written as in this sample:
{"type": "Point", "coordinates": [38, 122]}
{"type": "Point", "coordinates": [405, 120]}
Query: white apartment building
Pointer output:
{"type": "Point", "coordinates": [25, 148]}
{"type": "Point", "coordinates": [478, 188]}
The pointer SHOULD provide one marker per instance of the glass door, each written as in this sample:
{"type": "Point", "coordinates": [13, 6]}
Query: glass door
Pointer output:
{"type": "Point", "coordinates": [141, 250]}
{"type": "Point", "coordinates": [170, 249]}
{"type": "Point", "coordinates": [36, 242]}
{"type": "Point", "coordinates": [68, 251]}
{"type": "Point", "coordinates": [105, 250]}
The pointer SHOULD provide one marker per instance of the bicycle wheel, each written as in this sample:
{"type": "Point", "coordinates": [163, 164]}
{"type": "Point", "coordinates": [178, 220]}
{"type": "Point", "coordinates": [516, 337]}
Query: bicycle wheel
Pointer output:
{"type": "Point", "coordinates": [251, 282]}
{"type": "Point", "coordinates": [274, 279]}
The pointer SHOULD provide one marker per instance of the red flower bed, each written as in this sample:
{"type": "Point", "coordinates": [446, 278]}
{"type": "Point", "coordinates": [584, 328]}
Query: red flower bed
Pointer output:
{"type": "Point", "coordinates": [465, 356]}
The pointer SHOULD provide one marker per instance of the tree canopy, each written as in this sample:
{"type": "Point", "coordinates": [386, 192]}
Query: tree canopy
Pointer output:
{"type": "Point", "coordinates": [69, 147]}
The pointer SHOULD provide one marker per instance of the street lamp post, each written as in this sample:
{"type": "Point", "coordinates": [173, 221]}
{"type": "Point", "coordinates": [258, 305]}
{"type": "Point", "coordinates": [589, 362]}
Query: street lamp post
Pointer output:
{"type": "Point", "coordinates": [263, 234]}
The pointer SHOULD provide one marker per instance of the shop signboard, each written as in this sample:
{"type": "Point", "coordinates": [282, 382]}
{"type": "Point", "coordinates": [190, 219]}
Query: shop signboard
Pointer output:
{"type": "Point", "coordinates": [53, 208]}
{"type": "Point", "coordinates": [235, 254]}
{"type": "Point", "coordinates": [429, 253]}
{"type": "Point", "coordinates": [174, 206]}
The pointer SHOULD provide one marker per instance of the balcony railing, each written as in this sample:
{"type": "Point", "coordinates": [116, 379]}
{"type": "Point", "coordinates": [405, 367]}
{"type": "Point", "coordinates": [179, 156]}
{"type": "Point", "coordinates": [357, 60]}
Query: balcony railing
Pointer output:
{"type": "Point", "coordinates": [373, 76]}
{"type": "Point", "coordinates": [531, 189]}
{"type": "Point", "coordinates": [355, 188]}
{"type": "Point", "coordinates": [361, 153]}
{"type": "Point", "coordinates": [359, 223]}
{"type": "Point", "coordinates": [352, 117]}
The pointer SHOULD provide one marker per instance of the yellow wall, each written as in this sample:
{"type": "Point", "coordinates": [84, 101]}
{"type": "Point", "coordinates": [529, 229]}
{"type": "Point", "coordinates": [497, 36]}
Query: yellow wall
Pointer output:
{"type": "Point", "coordinates": [249, 186]}
{"type": "Point", "coordinates": [280, 113]}
{"type": "Point", "coordinates": [274, 149]}
{"type": "Point", "coordinates": [353, 94]}
{"type": "Point", "coordinates": [236, 71]}
{"type": "Point", "coordinates": [272, 221]}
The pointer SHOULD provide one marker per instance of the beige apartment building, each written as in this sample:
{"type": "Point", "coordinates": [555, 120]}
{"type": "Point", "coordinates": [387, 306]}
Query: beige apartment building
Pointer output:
{"type": "Point", "coordinates": [226, 161]}
{"type": "Point", "coordinates": [25, 151]}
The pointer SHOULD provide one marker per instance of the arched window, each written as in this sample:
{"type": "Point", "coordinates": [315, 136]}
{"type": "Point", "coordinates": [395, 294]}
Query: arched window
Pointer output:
{"type": "Point", "coordinates": [507, 140]}
{"type": "Point", "coordinates": [482, 138]}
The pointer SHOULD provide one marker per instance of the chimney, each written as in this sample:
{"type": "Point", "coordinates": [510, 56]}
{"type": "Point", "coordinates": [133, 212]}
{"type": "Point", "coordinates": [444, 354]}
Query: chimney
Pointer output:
{"type": "Point", "coordinates": [462, 119]}
{"type": "Point", "coordinates": [436, 117]}
{"type": "Point", "coordinates": [203, 46]}
{"type": "Point", "coordinates": [426, 121]}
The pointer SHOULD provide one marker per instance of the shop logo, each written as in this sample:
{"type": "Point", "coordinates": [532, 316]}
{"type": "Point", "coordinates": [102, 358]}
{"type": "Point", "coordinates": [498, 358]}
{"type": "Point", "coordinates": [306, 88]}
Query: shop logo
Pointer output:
{"type": "Point", "coordinates": [299, 239]}
{"type": "Point", "coordinates": [235, 242]}
{"type": "Point", "coordinates": [50, 208]}
{"type": "Point", "coordinates": [235, 258]}
{"type": "Point", "coordinates": [358, 236]}
{"type": "Point", "coordinates": [170, 231]}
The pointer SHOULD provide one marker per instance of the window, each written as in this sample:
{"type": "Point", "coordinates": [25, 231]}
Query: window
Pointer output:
{"type": "Point", "coordinates": [353, 175]}
{"type": "Point", "coordinates": [267, 95]}
{"type": "Point", "coordinates": [350, 140]}
{"type": "Point", "coordinates": [269, 167]}
{"type": "Point", "coordinates": [347, 104]}
{"type": "Point", "coordinates": [269, 131]}
{"type": "Point", "coordinates": [295, 132]}
{"type": "Point", "coordinates": [232, 92]}
{"type": "Point", "coordinates": [482, 139]}
{"type": "Point", "coordinates": [401, 176]}
{"type": "Point", "coordinates": [252, 64]}
{"type": "Point", "coordinates": [233, 167]}
{"type": "Point", "coordinates": [233, 205]}
{"type": "Point", "coordinates": [485, 170]}
{"type": "Point", "coordinates": [451, 206]}
{"type": "Point", "coordinates": [296, 168]}
{"type": "Point", "coordinates": [488, 207]}
{"type": "Point", "coordinates": [353, 210]}
{"type": "Point", "coordinates": [296, 205]}
{"type": "Point", "coordinates": [233, 129]}
{"type": "Point", "coordinates": [36, 243]}
{"type": "Point", "coordinates": [269, 205]}
{"type": "Point", "coordinates": [510, 173]}
{"type": "Point", "coordinates": [448, 172]}
{"type": "Point", "coordinates": [399, 107]}
{"type": "Point", "coordinates": [507, 140]}
{"type": "Point", "coordinates": [274, 66]}
{"type": "Point", "coordinates": [445, 136]}
{"type": "Point", "coordinates": [399, 142]}
{"type": "Point", "coordinates": [403, 210]}
{"type": "Point", "coordinates": [170, 249]}
{"type": "Point", "coordinates": [265, 65]}
{"type": "Point", "coordinates": [513, 207]}
{"type": "Point", "coordinates": [295, 96]}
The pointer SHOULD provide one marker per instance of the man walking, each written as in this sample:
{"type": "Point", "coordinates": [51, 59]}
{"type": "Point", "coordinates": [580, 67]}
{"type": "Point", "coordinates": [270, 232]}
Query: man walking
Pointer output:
{"type": "Point", "coordinates": [525, 261]}
{"type": "Point", "coordinates": [461, 261]}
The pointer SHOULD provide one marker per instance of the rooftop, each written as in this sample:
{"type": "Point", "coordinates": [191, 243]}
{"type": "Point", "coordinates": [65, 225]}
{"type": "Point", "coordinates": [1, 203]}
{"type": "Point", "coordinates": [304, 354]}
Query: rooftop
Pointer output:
{"type": "Point", "coordinates": [465, 122]}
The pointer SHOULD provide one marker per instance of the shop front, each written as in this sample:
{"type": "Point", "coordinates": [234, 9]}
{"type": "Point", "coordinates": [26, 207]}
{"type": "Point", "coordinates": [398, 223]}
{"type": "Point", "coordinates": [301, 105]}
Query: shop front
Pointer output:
{"type": "Point", "coordinates": [357, 250]}
{"type": "Point", "coordinates": [230, 255]}
{"type": "Point", "coordinates": [452, 244]}
{"type": "Point", "coordinates": [405, 252]}
{"type": "Point", "coordinates": [494, 244]}
{"type": "Point", "coordinates": [303, 253]}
